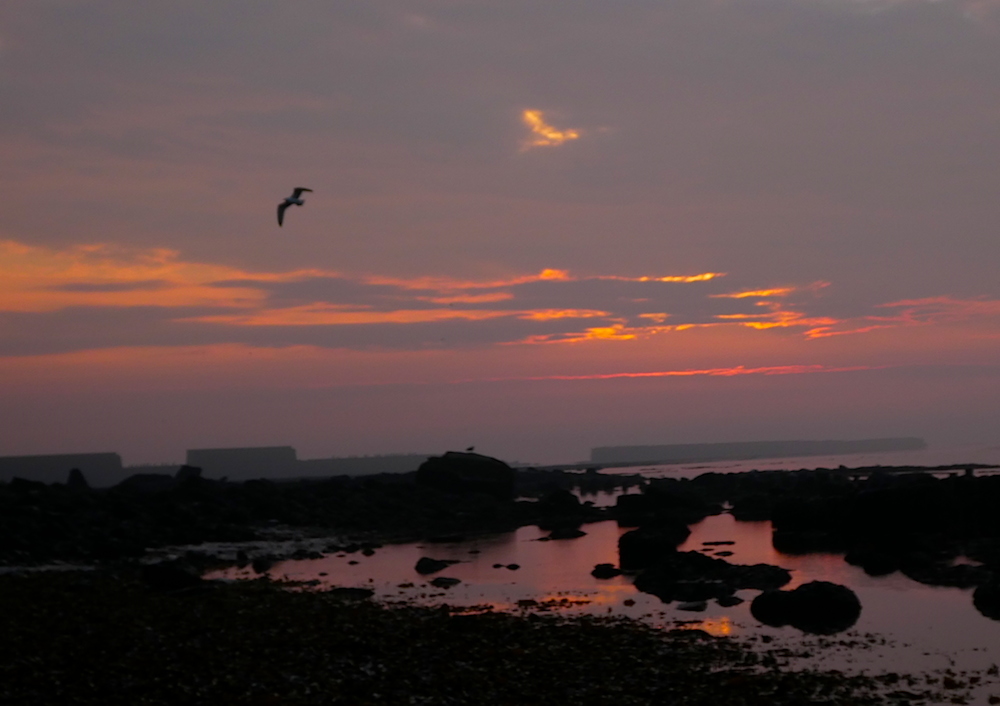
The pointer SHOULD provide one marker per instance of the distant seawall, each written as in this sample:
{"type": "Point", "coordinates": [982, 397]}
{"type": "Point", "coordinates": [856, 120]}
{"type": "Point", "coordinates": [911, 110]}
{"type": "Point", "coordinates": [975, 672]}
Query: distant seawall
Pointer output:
{"type": "Point", "coordinates": [744, 450]}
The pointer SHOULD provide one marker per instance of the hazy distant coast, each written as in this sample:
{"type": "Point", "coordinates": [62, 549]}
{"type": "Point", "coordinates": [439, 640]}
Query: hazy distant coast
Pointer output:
{"type": "Point", "coordinates": [743, 450]}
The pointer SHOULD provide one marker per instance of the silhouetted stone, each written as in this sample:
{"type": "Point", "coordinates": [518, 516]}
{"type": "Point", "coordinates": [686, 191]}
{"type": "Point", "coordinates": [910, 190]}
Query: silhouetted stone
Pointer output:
{"type": "Point", "coordinates": [818, 607]}
{"type": "Point", "coordinates": [874, 562]}
{"type": "Point", "coordinates": [692, 576]}
{"type": "Point", "coordinates": [559, 502]}
{"type": "Point", "coordinates": [459, 472]}
{"type": "Point", "coordinates": [262, 564]}
{"type": "Point", "coordinates": [76, 480]}
{"type": "Point", "coordinates": [445, 582]}
{"type": "Point", "coordinates": [566, 533]}
{"type": "Point", "coordinates": [187, 473]}
{"type": "Point", "coordinates": [934, 573]}
{"type": "Point", "coordinates": [639, 548]}
{"type": "Point", "coordinates": [986, 598]}
{"type": "Point", "coordinates": [728, 601]}
{"type": "Point", "coordinates": [351, 594]}
{"type": "Point", "coordinates": [605, 571]}
{"type": "Point", "coordinates": [426, 565]}
{"type": "Point", "coordinates": [774, 608]}
{"type": "Point", "coordinates": [146, 483]}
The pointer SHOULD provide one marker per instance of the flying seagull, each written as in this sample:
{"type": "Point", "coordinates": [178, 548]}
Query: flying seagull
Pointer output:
{"type": "Point", "coordinates": [295, 198]}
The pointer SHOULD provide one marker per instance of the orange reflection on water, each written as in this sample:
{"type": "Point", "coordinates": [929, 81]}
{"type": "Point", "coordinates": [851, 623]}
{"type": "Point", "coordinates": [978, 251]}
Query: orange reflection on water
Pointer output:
{"type": "Point", "coordinates": [717, 627]}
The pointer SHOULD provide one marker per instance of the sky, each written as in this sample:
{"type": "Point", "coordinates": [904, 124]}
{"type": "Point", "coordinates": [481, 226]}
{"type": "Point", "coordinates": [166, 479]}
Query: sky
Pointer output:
{"type": "Point", "coordinates": [535, 227]}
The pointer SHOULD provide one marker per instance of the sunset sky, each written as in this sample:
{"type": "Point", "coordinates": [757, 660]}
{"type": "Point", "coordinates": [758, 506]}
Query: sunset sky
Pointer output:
{"type": "Point", "coordinates": [536, 227]}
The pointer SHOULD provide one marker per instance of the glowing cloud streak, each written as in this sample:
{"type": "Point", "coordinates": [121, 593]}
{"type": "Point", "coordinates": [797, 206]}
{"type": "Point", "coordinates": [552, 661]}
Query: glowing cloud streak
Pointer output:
{"type": "Point", "coordinates": [706, 372]}
{"type": "Point", "coordinates": [543, 134]}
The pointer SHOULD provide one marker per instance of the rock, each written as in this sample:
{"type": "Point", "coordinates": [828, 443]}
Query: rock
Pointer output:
{"type": "Point", "coordinates": [351, 594]}
{"type": "Point", "coordinates": [773, 608]}
{"type": "Point", "coordinates": [146, 483]}
{"type": "Point", "coordinates": [426, 565]}
{"type": "Point", "coordinates": [559, 502]}
{"type": "Point", "coordinates": [170, 576]}
{"type": "Point", "coordinates": [513, 567]}
{"type": "Point", "coordinates": [262, 564]}
{"type": "Point", "coordinates": [605, 571]}
{"type": "Point", "coordinates": [693, 606]}
{"type": "Point", "coordinates": [458, 472]}
{"type": "Point", "coordinates": [874, 562]}
{"type": "Point", "coordinates": [692, 576]}
{"type": "Point", "coordinates": [986, 598]}
{"type": "Point", "coordinates": [941, 574]}
{"type": "Point", "coordinates": [186, 472]}
{"type": "Point", "coordinates": [728, 601]}
{"type": "Point", "coordinates": [76, 480]}
{"type": "Point", "coordinates": [566, 533]}
{"type": "Point", "coordinates": [445, 582]}
{"type": "Point", "coordinates": [639, 548]}
{"type": "Point", "coordinates": [818, 607]}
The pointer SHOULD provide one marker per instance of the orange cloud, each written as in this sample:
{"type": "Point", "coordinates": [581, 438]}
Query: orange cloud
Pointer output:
{"type": "Point", "coordinates": [339, 315]}
{"type": "Point", "coordinates": [703, 277]}
{"type": "Point", "coordinates": [448, 284]}
{"type": "Point", "coordinates": [711, 372]}
{"type": "Point", "coordinates": [549, 314]}
{"type": "Point", "coordinates": [469, 298]}
{"type": "Point", "coordinates": [543, 134]}
{"type": "Point", "coordinates": [37, 279]}
{"type": "Point", "coordinates": [759, 293]}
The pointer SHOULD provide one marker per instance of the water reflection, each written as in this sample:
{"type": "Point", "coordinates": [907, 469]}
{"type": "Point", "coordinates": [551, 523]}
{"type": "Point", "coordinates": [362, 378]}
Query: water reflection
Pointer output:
{"type": "Point", "coordinates": [929, 626]}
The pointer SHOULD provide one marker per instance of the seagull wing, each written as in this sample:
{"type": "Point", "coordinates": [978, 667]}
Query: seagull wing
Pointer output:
{"type": "Point", "coordinates": [299, 190]}
{"type": "Point", "coordinates": [281, 211]}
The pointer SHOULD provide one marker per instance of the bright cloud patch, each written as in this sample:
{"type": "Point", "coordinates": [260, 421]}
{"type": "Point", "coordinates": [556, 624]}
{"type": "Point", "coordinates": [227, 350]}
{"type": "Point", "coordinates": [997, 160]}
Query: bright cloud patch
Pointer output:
{"type": "Point", "coordinates": [543, 134]}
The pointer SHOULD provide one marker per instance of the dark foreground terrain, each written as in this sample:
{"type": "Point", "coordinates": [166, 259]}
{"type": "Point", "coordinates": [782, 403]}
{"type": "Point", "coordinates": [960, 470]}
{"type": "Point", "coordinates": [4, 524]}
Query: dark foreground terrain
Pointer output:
{"type": "Point", "coordinates": [105, 638]}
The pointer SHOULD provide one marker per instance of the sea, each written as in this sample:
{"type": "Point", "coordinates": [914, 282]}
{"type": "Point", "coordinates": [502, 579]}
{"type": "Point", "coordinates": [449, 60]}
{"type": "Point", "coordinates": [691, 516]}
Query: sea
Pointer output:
{"type": "Point", "coordinates": [904, 626]}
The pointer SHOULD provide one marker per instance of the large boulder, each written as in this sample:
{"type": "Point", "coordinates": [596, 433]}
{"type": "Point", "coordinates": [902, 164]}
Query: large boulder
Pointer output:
{"type": "Point", "coordinates": [642, 547]}
{"type": "Point", "coordinates": [76, 480]}
{"type": "Point", "coordinates": [463, 472]}
{"type": "Point", "coordinates": [692, 576]}
{"type": "Point", "coordinates": [818, 607]}
{"type": "Point", "coordinates": [147, 483]}
{"type": "Point", "coordinates": [986, 598]}
{"type": "Point", "coordinates": [426, 565]}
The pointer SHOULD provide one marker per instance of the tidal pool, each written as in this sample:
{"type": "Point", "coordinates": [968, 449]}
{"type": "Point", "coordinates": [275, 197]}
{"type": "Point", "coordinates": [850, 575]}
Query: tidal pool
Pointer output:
{"type": "Point", "coordinates": [904, 626]}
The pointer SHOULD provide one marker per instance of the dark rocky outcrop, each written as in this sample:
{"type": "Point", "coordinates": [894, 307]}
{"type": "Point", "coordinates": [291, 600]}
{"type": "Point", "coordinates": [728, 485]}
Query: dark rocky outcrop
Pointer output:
{"type": "Point", "coordinates": [76, 480]}
{"type": "Point", "coordinates": [605, 571]}
{"type": "Point", "coordinates": [187, 473]}
{"type": "Point", "coordinates": [445, 582]}
{"type": "Point", "coordinates": [692, 576]}
{"type": "Point", "coordinates": [818, 607]}
{"type": "Point", "coordinates": [642, 547]}
{"type": "Point", "coordinates": [566, 533]}
{"type": "Point", "coordinates": [426, 565]}
{"type": "Point", "coordinates": [464, 472]}
{"type": "Point", "coordinates": [986, 598]}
